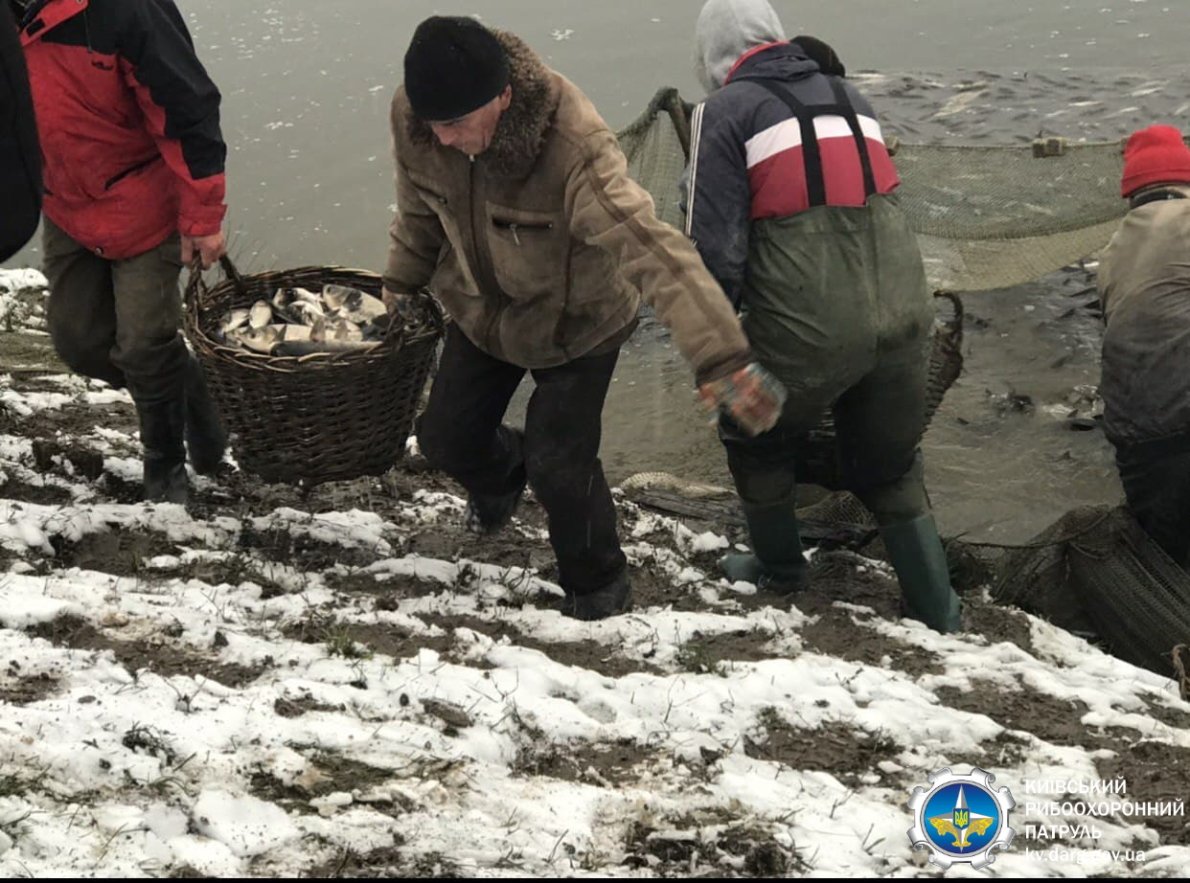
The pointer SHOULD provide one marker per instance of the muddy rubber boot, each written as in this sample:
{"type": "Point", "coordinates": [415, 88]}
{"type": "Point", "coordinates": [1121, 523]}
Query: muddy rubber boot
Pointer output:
{"type": "Point", "coordinates": [611, 600]}
{"type": "Point", "coordinates": [162, 427]}
{"type": "Point", "coordinates": [776, 563]}
{"type": "Point", "coordinates": [206, 440]}
{"type": "Point", "coordinates": [916, 553]}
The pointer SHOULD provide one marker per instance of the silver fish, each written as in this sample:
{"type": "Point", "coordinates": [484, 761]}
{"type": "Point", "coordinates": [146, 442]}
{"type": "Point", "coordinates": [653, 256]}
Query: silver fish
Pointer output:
{"type": "Point", "coordinates": [309, 312]}
{"type": "Point", "coordinates": [233, 320]}
{"type": "Point", "coordinates": [342, 329]}
{"type": "Point", "coordinates": [309, 347]}
{"type": "Point", "coordinates": [296, 332]}
{"type": "Point", "coordinates": [261, 340]}
{"type": "Point", "coordinates": [261, 314]}
{"type": "Point", "coordinates": [354, 305]}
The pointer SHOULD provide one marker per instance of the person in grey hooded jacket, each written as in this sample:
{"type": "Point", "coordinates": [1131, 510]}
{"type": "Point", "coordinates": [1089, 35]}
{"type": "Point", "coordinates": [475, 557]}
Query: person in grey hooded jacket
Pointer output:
{"type": "Point", "coordinates": [791, 203]}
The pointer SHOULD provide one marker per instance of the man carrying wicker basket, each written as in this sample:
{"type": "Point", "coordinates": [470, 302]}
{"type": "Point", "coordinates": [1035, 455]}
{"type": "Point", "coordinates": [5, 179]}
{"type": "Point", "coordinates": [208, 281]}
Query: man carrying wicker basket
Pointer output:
{"type": "Point", "coordinates": [134, 186]}
{"type": "Point", "coordinates": [515, 208]}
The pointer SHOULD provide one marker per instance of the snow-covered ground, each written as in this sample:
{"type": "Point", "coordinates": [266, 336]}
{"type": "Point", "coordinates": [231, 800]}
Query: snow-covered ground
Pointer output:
{"type": "Point", "coordinates": [348, 684]}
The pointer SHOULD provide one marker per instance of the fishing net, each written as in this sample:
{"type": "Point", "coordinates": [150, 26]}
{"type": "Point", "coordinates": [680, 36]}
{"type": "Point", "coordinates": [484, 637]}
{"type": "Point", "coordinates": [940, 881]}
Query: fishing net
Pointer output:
{"type": "Point", "coordinates": [992, 217]}
{"type": "Point", "coordinates": [1096, 571]}
{"type": "Point", "coordinates": [986, 217]}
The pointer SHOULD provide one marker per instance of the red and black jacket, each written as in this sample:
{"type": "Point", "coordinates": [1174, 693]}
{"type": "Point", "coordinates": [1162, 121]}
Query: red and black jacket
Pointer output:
{"type": "Point", "coordinates": [129, 123]}
{"type": "Point", "coordinates": [779, 138]}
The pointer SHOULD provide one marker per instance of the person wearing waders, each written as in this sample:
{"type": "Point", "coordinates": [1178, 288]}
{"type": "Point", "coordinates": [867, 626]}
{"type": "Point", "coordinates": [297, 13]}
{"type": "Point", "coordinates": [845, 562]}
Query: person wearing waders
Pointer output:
{"type": "Point", "coordinates": [516, 210]}
{"type": "Point", "coordinates": [134, 189]}
{"type": "Point", "coordinates": [20, 156]}
{"type": "Point", "coordinates": [791, 203]}
{"type": "Point", "coordinates": [1144, 287]}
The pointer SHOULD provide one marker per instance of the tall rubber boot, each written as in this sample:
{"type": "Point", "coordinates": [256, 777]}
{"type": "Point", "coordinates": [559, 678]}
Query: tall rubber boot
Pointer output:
{"type": "Point", "coordinates": [776, 563]}
{"type": "Point", "coordinates": [916, 553]}
{"type": "Point", "coordinates": [162, 426]}
{"type": "Point", "coordinates": [206, 439]}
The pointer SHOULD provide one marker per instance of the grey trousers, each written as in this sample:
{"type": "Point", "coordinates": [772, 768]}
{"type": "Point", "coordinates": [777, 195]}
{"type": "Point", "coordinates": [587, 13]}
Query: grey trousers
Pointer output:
{"type": "Point", "coordinates": [118, 320]}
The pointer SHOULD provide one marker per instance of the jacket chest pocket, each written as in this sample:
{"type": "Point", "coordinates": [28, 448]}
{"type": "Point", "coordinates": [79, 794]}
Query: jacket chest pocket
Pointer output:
{"type": "Point", "coordinates": [529, 252]}
{"type": "Point", "coordinates": [442, 209]}
{"type": "Point", "coordinates": [435, 201]}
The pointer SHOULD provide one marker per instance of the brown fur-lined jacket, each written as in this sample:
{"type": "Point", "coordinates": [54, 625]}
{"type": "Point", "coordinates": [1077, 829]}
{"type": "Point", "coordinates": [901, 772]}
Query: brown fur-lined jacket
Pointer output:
{"type": "Point", "coordinates": [542, 247]}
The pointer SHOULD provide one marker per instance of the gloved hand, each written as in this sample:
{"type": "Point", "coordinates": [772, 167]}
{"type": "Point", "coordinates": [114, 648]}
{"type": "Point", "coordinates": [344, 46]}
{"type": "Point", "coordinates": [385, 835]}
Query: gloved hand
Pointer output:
{"type": "Point", "coordinates": [399, 305]}
{"type": "Point", "coordinates": [752, 397]}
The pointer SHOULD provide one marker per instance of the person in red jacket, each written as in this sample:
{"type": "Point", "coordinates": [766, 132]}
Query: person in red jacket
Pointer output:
{"type": "Point", "coordinates": [133, 161]}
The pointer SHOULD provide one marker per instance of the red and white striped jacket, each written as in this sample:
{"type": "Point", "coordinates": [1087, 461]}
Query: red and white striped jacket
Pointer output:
{"type": "Point", "coordinates": [779, 138]}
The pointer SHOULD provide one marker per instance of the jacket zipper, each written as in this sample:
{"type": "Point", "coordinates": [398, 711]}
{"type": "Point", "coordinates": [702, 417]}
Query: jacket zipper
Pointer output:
{"type": "Point", "coordinates": [512, 227]}
{"type": "Point", "coordinates": [487, 280]}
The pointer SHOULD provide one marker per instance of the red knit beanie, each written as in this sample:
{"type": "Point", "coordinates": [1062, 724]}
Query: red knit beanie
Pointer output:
{"type": "Point", "coordinates": [1156, 155]}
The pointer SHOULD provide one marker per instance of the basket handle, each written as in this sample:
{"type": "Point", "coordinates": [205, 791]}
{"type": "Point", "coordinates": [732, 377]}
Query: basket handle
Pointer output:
{"type": "Point", "coordinates": [196, 283]}
{"type": "Point", "coordinates": [397, 326]}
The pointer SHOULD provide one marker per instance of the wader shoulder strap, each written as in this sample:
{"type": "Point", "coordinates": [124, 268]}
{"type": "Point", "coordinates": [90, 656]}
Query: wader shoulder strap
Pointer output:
{"type": "Point", "coordinates": [847, 111]}
{"type": "Point", "coordinates": [811, 154]}
{"type": "Point", "coordinates": [811, 151]}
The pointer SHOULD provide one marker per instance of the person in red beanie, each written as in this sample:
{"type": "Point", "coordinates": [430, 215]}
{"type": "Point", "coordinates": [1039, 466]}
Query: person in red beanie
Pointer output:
{"type": "Point", "coordinates": [1144, 286]}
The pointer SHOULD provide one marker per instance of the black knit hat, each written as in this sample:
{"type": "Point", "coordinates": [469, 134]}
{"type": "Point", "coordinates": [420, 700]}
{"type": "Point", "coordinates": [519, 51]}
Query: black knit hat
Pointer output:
{"type": "Point", "coordinates": [454, 65]}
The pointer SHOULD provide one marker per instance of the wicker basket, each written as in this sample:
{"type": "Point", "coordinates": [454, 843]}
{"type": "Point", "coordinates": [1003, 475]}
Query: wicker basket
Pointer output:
{"type": "Point", "coordinates": [319, 417]}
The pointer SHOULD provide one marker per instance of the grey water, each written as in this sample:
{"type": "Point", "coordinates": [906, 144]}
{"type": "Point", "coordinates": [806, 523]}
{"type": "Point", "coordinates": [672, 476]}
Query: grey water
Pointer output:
{"type": "Point", "coordinates": [307, 85]}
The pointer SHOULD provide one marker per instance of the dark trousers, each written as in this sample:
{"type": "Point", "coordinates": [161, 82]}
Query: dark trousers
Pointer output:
{"type": "Point", "coordinates": [878, 424]}
{"type": "Point", "coordinates": [461, 434]}
{"type": "Point", "coordinates": [1156, 479]}
{"type": "Point", "coordinates": [118, 320]}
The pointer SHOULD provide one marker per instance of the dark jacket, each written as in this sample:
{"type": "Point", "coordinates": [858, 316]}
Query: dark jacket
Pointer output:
{"type": "Point", "coordinates": [20, 156]}
{"type": "Point", "coordinates": [1144, 285]}
{"type": "Point", "coordinates": [811, 246]}
{"type": "Point", "coordinates": [542, 248]}
{"type": "Point", "coordinates": [129, 123]}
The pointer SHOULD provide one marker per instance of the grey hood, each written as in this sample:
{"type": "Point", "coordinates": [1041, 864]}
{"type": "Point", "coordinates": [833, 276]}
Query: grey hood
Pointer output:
{"type": "Point", "coordinates": [726, 30]}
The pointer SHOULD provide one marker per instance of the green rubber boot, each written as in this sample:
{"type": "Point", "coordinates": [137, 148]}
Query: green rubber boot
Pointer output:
{"type": "Point", "coordinates": [776, 563]}
{"type": "Point", "coordinates": [916, 553]}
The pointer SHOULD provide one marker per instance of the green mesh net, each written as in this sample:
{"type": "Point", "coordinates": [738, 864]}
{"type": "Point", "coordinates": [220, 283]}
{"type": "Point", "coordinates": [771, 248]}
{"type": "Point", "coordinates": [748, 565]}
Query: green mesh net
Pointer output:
{"type": "Point", "coordinates": [986, 217]}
